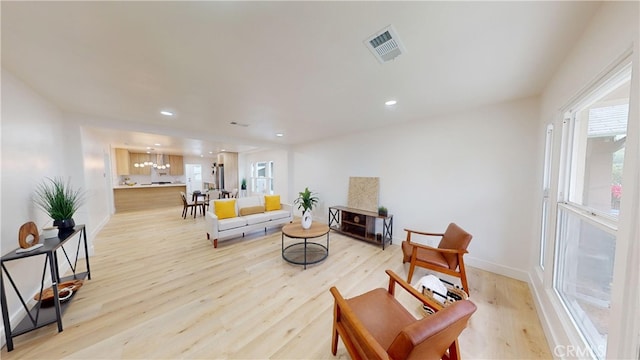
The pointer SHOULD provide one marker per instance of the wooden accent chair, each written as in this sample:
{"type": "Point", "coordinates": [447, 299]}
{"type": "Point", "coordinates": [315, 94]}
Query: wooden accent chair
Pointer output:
{"type": "Point", "coordinates": [446, 258]}
{"type": "Point", "coordinates": [375, 325]}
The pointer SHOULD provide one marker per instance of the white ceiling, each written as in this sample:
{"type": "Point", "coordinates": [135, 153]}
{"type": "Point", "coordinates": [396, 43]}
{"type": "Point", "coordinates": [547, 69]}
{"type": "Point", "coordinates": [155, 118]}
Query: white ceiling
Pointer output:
{"type": "Point", "coordinates": [300, 68]}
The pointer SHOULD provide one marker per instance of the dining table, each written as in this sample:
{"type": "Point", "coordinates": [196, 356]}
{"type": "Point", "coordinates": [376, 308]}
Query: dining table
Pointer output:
{"type": "Point", "coordinates": [196, 195]}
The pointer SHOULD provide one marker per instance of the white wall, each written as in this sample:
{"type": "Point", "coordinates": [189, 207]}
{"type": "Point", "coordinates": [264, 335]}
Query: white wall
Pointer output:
{"type": "Point", "coordinates": [474, 168]}
{"type": "Point", "coordinates": [613, 30]}
{"type": "Point", "coordinates": [37, 142]}
{"type": "Point", "coordinates": [98, 182]}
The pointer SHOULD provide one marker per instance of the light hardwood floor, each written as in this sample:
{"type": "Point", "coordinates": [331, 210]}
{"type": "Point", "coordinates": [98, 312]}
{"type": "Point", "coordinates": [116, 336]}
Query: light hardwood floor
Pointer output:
{"type": "Point", "coordinates": [160, 290]}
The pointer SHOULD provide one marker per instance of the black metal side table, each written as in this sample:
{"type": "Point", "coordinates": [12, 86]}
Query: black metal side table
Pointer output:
{"type": "Point", "coordinates": [38, 316]}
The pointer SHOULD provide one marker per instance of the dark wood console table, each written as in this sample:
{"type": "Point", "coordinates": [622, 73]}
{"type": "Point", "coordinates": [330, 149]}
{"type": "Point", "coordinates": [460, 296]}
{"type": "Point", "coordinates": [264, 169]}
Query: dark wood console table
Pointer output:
{"type": "Point", "coordinates": [360, 224]}
{"type": "Point", "coordinates": [38, 316]}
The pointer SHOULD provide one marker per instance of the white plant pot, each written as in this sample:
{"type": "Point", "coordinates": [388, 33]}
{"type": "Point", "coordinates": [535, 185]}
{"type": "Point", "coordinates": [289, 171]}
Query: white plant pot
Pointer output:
{"type": "Point", "coordinates": [306, 219]}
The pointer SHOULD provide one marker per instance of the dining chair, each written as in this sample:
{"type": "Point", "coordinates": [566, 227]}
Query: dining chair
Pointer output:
{"type": "Point", "coordinates": [196, 194]}
{"type": "Point", "coordinates": [189, 205]}
{"type": "Point", "coordinates": [205, 202]}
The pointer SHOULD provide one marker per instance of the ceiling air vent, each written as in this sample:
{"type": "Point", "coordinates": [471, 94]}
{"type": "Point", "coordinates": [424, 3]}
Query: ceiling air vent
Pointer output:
{"type": "Point", "coordinates": [385, 44]}
{"type": "Point", "coordinates": [239, 124]}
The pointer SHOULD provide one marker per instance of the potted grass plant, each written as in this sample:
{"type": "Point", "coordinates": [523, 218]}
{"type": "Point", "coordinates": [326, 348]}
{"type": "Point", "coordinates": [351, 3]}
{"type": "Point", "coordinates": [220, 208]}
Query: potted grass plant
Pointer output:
{"type": "Point", "coordinates": [60, 201]}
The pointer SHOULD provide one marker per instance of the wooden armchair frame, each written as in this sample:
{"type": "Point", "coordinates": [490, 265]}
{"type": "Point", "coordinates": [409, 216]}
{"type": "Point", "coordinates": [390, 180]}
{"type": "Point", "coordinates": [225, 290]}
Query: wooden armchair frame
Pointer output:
{"type": "Point", "coordinates": [361, 343]}
{"type": "Point", "coordinates": [414, 259]}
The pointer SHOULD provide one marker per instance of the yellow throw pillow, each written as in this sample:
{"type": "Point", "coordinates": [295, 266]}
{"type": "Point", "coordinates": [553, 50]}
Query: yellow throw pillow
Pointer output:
{"type": "Point", "coordinates": [272, 202]}
{"type": "Point", "coordinates": [225, 208]}
{"type": "Point", "coordinates": [251, 210]}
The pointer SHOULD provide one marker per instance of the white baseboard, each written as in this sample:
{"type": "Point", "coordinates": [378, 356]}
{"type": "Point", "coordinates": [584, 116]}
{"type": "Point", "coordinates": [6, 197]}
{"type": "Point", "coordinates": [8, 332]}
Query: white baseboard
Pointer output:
{"type": "Point", "coordinates": [545, 317]}
{"type": "Point", "coordinates": [487, 266]}
{"type": "Point", "coordinates": [94, 233]}
{"type": "Point", "coordinates": [497, 268]}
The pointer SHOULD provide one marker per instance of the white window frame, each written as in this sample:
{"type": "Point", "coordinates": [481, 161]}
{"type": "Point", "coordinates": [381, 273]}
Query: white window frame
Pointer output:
{"type": "Point", "coordinates": [268, 179]}
{"type": "Point", "coordinates": [593, 216]}
{"type": "Point", "coordinates": [545, 216]}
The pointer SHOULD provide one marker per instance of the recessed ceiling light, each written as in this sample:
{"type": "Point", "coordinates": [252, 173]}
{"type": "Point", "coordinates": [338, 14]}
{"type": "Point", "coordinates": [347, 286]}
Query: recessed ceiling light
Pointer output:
{"type": "Point", "coordinates": [201, 155]}
{"type": "Point", "coordinates": [390, 102]}
{"type": "Point", "coordinates": [210, 152]}
{"type": "Point", "coordinates": [157, 144]}
{"type": "Point", "coordinates": [223, 150]}
{"type": "Point", "coordinates": [166, 113]}
{"type": "Point", "coordinates": [279, 134]}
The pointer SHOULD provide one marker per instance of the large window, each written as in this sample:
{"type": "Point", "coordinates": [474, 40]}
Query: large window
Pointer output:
{"type": "Point", "coordinates": [600, 134]}
{"type": "Point", "coordinates": [584, 274]}
{"type": "Point", "coordinates": [262, 177]}
{"type": "Point", "coordinates": [595, 134]}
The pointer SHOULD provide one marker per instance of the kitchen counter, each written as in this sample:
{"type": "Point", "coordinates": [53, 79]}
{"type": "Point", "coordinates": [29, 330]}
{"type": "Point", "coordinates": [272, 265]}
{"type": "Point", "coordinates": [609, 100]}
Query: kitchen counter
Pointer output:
{"type": "Point", "coordinates": [137, 186]}
{"type": "Point", "coordinates": [144, 197]}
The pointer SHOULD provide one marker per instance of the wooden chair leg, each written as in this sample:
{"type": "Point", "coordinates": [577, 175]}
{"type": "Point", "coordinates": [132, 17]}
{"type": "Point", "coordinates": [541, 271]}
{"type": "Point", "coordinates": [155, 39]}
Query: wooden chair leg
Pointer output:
{"type": "Point", "coordinates": [412, 267]}
{"type": "Point", "coordinates": [463, 278]}
{"type": "Point", "coordinates": [454, 351]}
{"type": "Point", "coordinates": [334, 342]}
{"type": "Point", "coordinates": [215, 243]}
{"type": "Point", "coordinates": [334, 337]}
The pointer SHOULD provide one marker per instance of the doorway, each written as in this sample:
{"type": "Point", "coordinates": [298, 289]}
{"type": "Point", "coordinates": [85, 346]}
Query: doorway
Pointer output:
{"type": "Point", "coordinates": [193, 174]}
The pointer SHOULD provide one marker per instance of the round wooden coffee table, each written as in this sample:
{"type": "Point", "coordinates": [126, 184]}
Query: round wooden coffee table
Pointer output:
{"type": "Point", "coordinates": [305, 252]}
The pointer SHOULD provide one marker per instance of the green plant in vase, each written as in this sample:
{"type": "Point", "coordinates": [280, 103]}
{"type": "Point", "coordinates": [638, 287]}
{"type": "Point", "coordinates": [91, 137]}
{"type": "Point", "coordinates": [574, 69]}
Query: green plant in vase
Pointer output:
{"type": "Point", "coordinates": [59, 200]}
{"type": "Point", "coordinates": [306, 201]}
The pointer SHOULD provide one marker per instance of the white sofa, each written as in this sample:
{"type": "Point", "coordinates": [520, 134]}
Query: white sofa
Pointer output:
{"type": "Point", "coordinates": [219, 229]}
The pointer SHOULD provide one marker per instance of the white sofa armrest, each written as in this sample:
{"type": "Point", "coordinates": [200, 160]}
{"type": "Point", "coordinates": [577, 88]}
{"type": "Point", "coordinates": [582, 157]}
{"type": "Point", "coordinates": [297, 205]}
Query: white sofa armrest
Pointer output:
{"type": "Point", "coordinates": [212, 221]}
{"type": "Point", "coordinates": [287, 207]}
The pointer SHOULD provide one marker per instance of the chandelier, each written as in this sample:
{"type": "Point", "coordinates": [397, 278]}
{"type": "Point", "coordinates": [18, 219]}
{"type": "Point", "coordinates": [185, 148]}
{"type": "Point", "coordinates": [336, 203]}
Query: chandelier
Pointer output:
{"type": "Point", "coordinates": [159, 164]}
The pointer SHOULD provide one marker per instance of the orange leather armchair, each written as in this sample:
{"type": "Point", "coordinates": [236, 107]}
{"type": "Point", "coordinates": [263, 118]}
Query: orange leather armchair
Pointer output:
{"type": "Point", "coordinates": [375, 325]}
{"type": "Point", "coordinates": [447, 258]}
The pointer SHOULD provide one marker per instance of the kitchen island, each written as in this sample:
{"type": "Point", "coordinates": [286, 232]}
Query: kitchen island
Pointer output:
{"type": "Point", "coordinates": [147, 196]}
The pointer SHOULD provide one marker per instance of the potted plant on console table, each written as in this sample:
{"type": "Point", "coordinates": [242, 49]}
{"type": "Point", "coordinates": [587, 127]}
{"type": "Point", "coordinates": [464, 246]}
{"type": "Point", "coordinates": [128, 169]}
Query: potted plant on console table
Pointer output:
{"type": "Point", "coordinates": [306, 200]}
{"type": "Point", "coordinates": [382, 211]}
{"type": "Point", "coordinates": [60, 201]}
